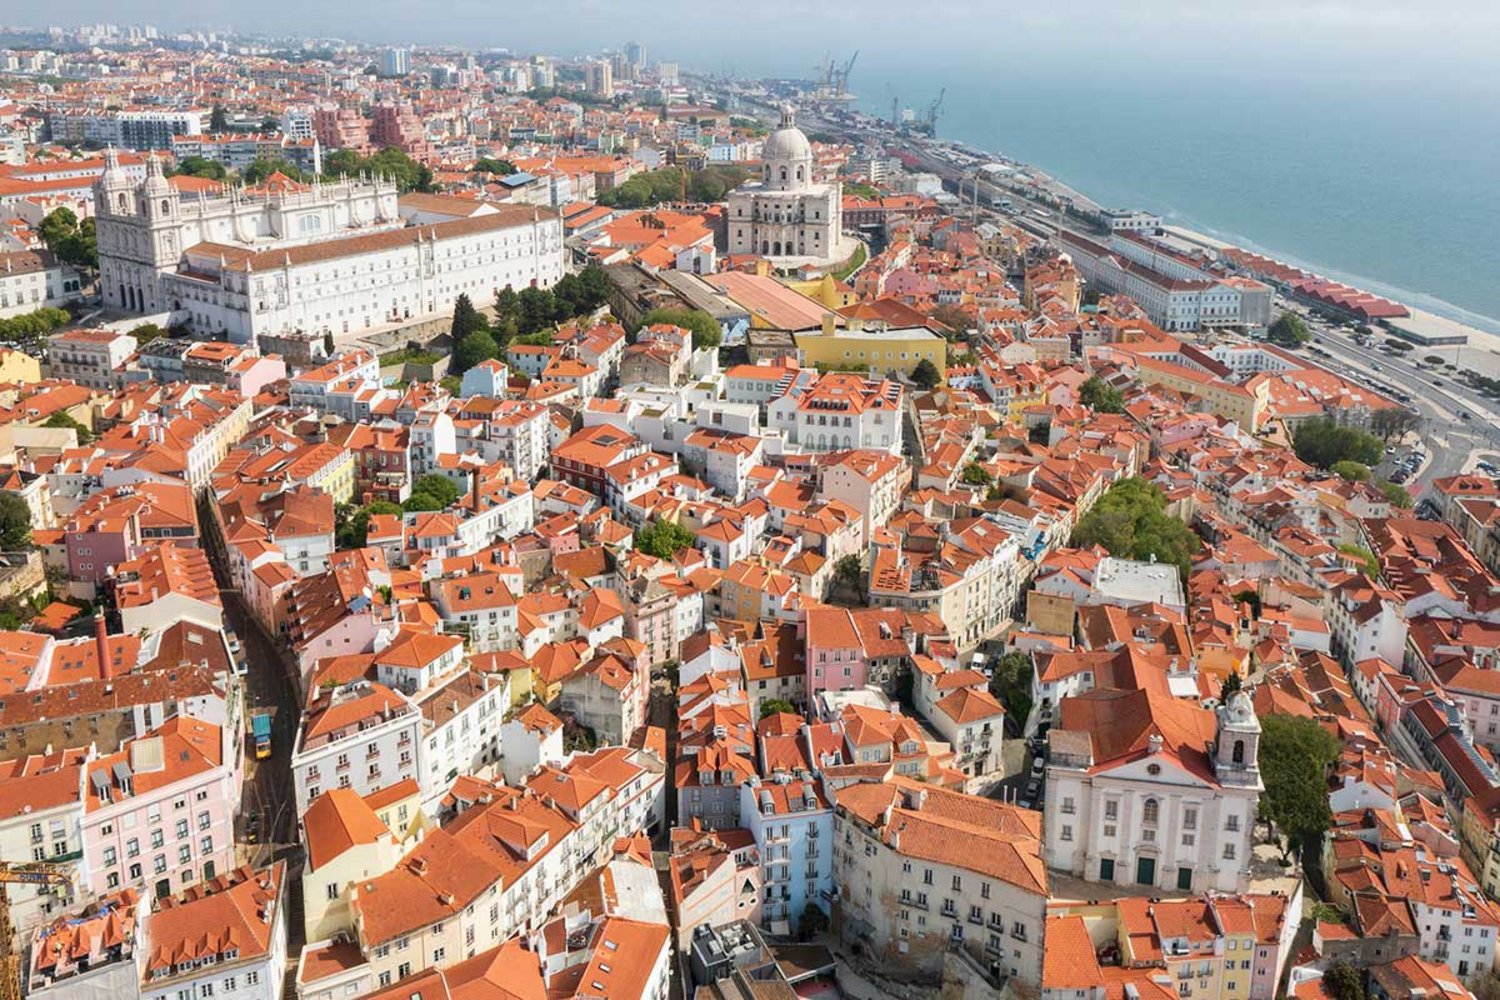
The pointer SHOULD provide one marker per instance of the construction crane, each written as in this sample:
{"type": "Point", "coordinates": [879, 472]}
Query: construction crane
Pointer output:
{"type": "Point", "coordinates": [20, 873]}
{"type": "Point", "coordinates": [844, 74]}
{"type": "Point", "coordinates": [931, 117]}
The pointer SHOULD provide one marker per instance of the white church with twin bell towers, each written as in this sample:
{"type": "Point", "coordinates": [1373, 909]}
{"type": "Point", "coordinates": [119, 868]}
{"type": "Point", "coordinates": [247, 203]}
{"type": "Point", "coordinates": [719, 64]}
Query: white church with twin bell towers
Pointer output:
{"type": "Point", "coordinates": [788, 215]}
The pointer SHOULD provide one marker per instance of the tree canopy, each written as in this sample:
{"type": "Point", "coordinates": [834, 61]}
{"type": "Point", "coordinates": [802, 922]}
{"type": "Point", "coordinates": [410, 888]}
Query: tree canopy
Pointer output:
{"type": "Point", "coordinates": [199, 166]}
{"type": "Point", "coordinates": [15, 523]}
{"type": "Point", "coordinates": [533, 309]}
{"type": "Point", "coordinates": [432, 492]}
{"type": "Point", "coordinates": [771, 706]}
{"type": "Point", "coordinates": [653, 187]}
{"type": "Point", "coordinates": [1354, 472]}
{"type": "Point", "coordinates": [1131, 521]}
{"type": "Point", "coordinates": [488, 165]}
{"type": "Point", "coordinates": [72, 241]}
{"type": "Point", "coordinates": [926, 375]}
{"type": "Point", "coordinates": [477, 348]}
{"type": "Point", "coordinates": [391, 162]}
{"type": "Point", "coordinates": [1289, 331]}
{"type": "Point", "coordinates": [663, 538]}
{"type": "Point", "coordinates": [975, 474]}
{"type": "Point", "coordinates": [1010, 683]}
{"type": "Point", "coordinates": [354, 526]}
{"type": "Point", "coordinates": [1324, 442]}
{"type": "Point", "coordinates": [1101, 396]}
{"type": "Point", "coordinates": [1295, 754]}
{"type": "Point", "coordinates": [1394, 422]}
{"type": "Point", "coordinates": [704, 328]}
{"type": "Point", "coordinates": [1396, 494]}
{"type": "Point", "coordinates": [62, 420]}
{"type": "Point", "coordinates": [34, 323]}
{"type": "Point", "coordinates": [265, 167]}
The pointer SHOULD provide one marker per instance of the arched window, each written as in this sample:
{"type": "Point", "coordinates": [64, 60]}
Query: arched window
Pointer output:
{"type": "Point", "coordinates": [1148, 811]}
{"type": "Point", "coordinates": [1239, 751]}
{"type": "Point", "coordinates": [783, 175]}
{"type": "Point", "coordinates": [166, 207]}
{"type": "Point", "coordinates": [122, 202]}
{"type": "Point", "coordinates": [799, 173]}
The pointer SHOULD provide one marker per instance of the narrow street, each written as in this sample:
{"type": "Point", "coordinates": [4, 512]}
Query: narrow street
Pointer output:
{"type": "Point", "coordinates": [268, 800]}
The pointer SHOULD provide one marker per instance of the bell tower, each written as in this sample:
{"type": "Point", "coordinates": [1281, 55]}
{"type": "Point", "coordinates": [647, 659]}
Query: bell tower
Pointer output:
{"type": "Point", "coordinates": [1237, 743]}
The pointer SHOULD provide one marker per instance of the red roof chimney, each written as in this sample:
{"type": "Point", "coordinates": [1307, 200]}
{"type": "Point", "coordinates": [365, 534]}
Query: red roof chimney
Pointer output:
{"type": "Point", "coordinates": [101, 647]}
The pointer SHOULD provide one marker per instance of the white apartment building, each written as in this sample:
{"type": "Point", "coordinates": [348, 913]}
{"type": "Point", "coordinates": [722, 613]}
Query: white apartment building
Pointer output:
{"type": "Point", "coordinates": [92, 358]}
{"type": "Point", "coordinates": [360, 735]}
{"type": "Point", "coordinates": [919, 870]}
{"type": "Point", "coordinates": [839, 412]}
{"type": "Point", "coordinates": [34, 279]}
{"type": "Point", "coordinates": [1149, 790]}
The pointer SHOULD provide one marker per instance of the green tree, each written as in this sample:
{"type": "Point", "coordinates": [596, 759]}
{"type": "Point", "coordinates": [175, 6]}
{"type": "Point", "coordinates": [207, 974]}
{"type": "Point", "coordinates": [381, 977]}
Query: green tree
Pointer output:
{"type": "Point", "coordinates": [422, 503]}
{"type": "Point", "coordinates": [1323, 442]}
{"type": "Point", "coordinates": [439, 487]}
{"type": "Point", "coordinates": [1394, 422]}
{"type": "Point", "coordinates": [147, 332]}
{"type": "Point", "coordinates": [1295, 754]}
{"type": "Point", "coordinates": [328, 343]}
{"type": "Point", "coordinates": [663, 538]}
{"type": "Point", "coordinates": [1289, 331]}
{"type": "Point", "coordinates": [772, 706]}
{"type": "Point", "coordinates": [15, 523]}
{"type": "Point", "coordinates": [57, 225]}
{"type": "Point", "coordinates": [704, 328]}
{"type": "Point", "coordinates": [1131, 521]}
{"type": "Point", "coordinates": [486, 165]}
{"type": "Point", "coordinates": [1101, 396]}
{"type": "Point", "coordinates": [1231, 684]}
{"type": "Point", "coordinates": [199, 166]}
{"type": "Point", "coordinates": [1090, 297]}
{"type": "Point", "coordinates": [1396, 494]}
{"type": "Point", "coordinates": [474, 349]}
{"type": "Point", "coordinates": [849, 573]}
{"type": "Point", "coordinates": [926, 375]}
{"type": "Point", "coordinates": [1354, 472]}
{"type": "Point", "coordinates": [1344, 982]}
{"type": "Point", "coordinates": [62, 420]}
{"type": "Point", "coordinates": [1250, 597]}
{"type": "Point", "coordinates": [975, 474]}
{"type": "Point", "coordinates": [218, 120]}
{"type": "Point", "coordinates": [265, 167]}
{"type": "Point", "coordinates": [812, 922]}
{"type": "Point", "coordinates": [466, 319]}
{"type": "Point", "coordinates": [72, 241]}
{"type": "Point", "coordinates": [1041, 433]}
{"type": "Point", "coordinates": [1010, 683]}
{"type": "Point", "coordinates": [354, 528]}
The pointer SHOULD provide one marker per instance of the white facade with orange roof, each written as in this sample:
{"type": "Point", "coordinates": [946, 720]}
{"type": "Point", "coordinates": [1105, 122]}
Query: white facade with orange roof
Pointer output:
{"type": "Point", "coordinates": [41, 819]}
{"type": "Point", "coordinates": [840, 411]}
{"type": "Point", "coordinates": [358, 735]}
{"type": "Point", "coordinates": [226, 936]}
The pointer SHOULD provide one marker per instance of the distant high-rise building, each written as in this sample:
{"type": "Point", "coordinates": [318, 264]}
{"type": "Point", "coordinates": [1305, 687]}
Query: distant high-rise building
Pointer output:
{"type": "Point", "coordinates": [601, 79]}
{"type": "Point", "coordinates": [635, 54]}
{"type": "Point", "coordinates": [395, 62]}
{"type": "Point", "coordinates": [666, 74]}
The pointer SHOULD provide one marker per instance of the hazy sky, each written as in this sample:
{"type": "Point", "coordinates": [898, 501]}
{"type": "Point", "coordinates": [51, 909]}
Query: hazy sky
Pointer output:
{"type": "Point", "coordinates": [1270, 37]}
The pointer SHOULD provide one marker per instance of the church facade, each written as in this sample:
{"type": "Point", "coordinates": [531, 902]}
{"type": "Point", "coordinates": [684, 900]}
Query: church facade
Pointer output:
{"type": "Point", "coordinates": [788, 215]}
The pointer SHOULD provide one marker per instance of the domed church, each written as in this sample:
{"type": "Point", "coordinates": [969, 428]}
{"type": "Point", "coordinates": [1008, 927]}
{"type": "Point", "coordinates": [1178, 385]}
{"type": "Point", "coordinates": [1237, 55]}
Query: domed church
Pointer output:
{"type": "Point", "coordinates": [786, 215]}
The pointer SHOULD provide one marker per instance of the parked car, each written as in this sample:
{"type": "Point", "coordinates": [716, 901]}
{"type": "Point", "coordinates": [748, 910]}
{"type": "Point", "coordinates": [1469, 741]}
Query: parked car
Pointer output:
{"type": "Point", "coordinates": [1038, 766]}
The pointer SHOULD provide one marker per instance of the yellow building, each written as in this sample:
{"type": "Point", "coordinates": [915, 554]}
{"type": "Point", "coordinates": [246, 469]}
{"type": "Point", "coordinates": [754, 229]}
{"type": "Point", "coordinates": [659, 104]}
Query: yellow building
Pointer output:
{"type": "Point", "coordinates": [1230, 401]}
{"type": "Point", "coordinates": [859, 346]}
{"type": "Point", "coordinates": [826, 290]}
{"type": "Point", "coordinates": [18, 367]}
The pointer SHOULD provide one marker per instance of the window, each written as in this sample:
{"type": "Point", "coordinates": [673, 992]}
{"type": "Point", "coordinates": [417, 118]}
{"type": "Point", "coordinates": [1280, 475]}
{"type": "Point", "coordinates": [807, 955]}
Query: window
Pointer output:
{"type": "Point", "coordinates": [205, 989]}
{"type": "Point", "coordinates": [1232, 823]}
{"type": "Point", "coordinates": [1190, 818]}
{"type": "Point", "coordinates": [332, 889]}
{"type": "Point", "coordinates": [1111, 809]}
{"type": "Point", "coordinates": [1229, 852]}
{"type": "Point", "coordinates": [1067, 832]}
{"type": "Point", "coordinates": [1149, 811]}
{"type": "Point", "coordinates": [437, 955]}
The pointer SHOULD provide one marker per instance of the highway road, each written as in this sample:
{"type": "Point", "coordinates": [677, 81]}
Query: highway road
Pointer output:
{"type": "Point", "coordinates": [1452, 443]}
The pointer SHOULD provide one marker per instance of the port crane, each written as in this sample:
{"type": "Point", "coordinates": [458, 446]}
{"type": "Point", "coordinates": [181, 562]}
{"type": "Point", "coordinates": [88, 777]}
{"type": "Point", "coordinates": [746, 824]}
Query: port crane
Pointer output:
{"type": "Point", "coordinates": [20, 873]}
{"type": "Point", "coordinates": [931, 118]}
